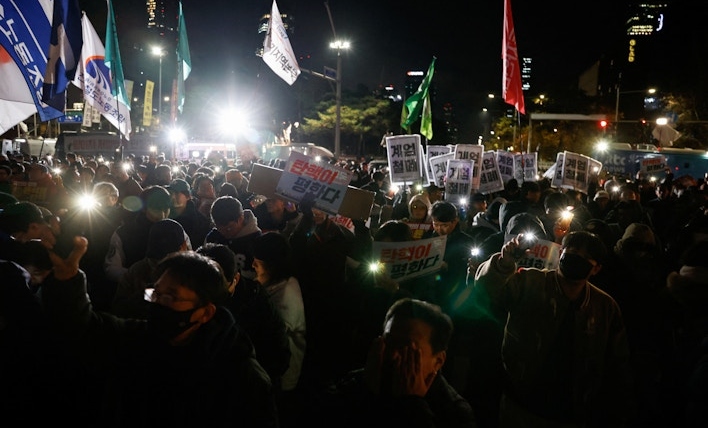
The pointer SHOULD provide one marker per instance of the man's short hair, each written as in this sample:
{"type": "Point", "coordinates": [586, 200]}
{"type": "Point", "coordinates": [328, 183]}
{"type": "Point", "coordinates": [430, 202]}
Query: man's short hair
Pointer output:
{"type": "Point", "coordinates": [226, 209]}
{"type": "Point", "coordinates": [588, 241]}
{"type": "Point", "coordinates": [413, 309]}
{"type": "Point", "coordinates": [198, 273]}
{"type": "Point", "coordinates": [156, 198]}
{"type": "Point", "coordinates": [443, 211]}
{"type": "Point", "coordinates": [223, 255]}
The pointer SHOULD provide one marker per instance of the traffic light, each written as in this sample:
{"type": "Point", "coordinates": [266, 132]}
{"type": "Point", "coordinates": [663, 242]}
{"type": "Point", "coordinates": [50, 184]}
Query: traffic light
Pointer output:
{"type": "Point", "coordinates": [603, 126]}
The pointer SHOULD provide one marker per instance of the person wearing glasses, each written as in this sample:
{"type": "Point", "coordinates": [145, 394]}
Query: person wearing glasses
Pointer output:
{"type": "Point", "coordinates": [565, 351]}
{"type": "Point", "coordinates": [187, 364]}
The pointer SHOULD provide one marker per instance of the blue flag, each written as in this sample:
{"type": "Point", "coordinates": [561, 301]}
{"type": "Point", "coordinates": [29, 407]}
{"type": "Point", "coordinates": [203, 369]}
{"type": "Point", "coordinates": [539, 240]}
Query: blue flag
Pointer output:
{"type": "Point", "coordinates": [64, 52]}
{"type": "Point", "coordinates": [24, 52]}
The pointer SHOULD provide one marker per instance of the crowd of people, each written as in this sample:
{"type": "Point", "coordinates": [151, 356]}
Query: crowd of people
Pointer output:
{"type": "Point", "coordinates": [155, 292]}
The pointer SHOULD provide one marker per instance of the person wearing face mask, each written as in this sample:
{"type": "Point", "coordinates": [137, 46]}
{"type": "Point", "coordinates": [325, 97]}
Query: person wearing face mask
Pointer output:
{"type": "Point", "coordinates": [187, 364]}
{"type": "Point", "coordinates": [565, 352]}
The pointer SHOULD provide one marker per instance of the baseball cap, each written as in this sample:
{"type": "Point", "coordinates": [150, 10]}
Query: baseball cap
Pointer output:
{"type": "Point", "coordinates": [179, 186]}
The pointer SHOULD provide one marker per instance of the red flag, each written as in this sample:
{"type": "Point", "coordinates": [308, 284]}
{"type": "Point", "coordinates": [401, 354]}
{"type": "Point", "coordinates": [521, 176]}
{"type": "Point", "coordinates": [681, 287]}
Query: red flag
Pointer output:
{"type": "Point", "coordinates": [511, 86]}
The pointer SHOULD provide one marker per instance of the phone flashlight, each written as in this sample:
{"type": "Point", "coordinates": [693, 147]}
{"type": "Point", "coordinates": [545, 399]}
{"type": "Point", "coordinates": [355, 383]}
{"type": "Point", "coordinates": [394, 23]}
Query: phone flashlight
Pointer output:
{"type": "Point", "coordinates": [375, 266]}
{"type": "Point", "coordinates": [474, 251]}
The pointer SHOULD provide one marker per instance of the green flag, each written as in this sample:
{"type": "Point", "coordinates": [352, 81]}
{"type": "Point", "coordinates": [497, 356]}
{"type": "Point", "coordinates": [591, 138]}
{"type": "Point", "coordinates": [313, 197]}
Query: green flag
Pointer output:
{"type": "Point", "coordinates": [112, 59]}
{"type": "Point", "coordinates": [413, 106]}
{"type": "Point", "coordinates": [184, 60]}
{"type": "Point", "coordinates": [426, 121]}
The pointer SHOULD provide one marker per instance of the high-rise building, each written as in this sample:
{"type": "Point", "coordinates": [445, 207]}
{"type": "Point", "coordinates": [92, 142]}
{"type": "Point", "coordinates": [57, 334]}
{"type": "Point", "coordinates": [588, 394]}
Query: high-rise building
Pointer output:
{"type": "Point", "coordinates": [525, 74]}
{"type": "Point", "coordinates": [288, 23]}
{"type": "Point", "coordinates": [645, 23]}
{"type": "Point", "coordinates": [162, 16]}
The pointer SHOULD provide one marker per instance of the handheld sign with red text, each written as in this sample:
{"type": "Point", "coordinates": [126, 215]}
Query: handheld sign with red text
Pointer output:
{"type": "Point", "coordinates": [541, 255]}
{"type": "Point", "coordinates": [410, 259]}
{"type": "Point", "coordinates": [326, 183]}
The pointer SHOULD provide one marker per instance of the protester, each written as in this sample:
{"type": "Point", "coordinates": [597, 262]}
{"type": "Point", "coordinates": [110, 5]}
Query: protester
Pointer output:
{"type": "Point", "coordinates": [565, 349]}
{"type": "Point", "coordinates": [401, 383]}
{"type": "Point", "coordinates": [236, 228]}
{"type": "Point", "coordinates": [255, 312]}
{"type": "Point", "coordinates": [189, 344]}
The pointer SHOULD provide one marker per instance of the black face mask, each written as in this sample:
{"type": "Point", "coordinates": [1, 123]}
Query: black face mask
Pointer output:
{"type": "Point", "coordinates": [574, 267]}
{"type": "Point", "coordinates": [167, 323]}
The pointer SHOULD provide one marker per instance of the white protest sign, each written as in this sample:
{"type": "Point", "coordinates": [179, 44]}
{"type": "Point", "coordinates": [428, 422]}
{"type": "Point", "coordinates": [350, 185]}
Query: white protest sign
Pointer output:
{"type": "Point", "coordinates": [576, 171]}
{"type": "Point", "coordinates": [652, 164]}
{"type": "Point", "coordinates": [490, 180]}
{"type": "Point", "coordinates": [404, 163]}
{"type": "Point", "coordinates": [543, 254]}
{"type": "Point", "coordinates": [505, 161]}
{"type": "Point", "coordinates": [344, 221]}
{"type": "Point", "coordinates": [458, 179]}
{"type": "Point", "coordinates": [430, 153]}
{"type": "Point", "coordinates": [471, 152]}
{"type": "Point", "coordinates": [325, 183]}
{"type": "Point", "coordinates": [438, 150]}
{"type": "Point", "coordinates": [410, 259]}
{"type": "Point", "coordinates": [530, 165]}
{"type": "Point", "coordinates": [438, 166]}
{"type": "Point", "coordinates": [558, 170]}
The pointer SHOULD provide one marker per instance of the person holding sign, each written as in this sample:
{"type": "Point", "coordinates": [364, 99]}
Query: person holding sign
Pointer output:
{"type": "Point", "coordinates": [565, 349]}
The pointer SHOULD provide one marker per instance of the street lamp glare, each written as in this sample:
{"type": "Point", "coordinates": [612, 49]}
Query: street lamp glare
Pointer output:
{"type": "Point", "coordinates": [339, 44]}
{"type": "Point", "coordinates": [157, 50]}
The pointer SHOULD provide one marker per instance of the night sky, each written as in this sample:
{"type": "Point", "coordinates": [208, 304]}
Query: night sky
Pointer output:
{"type": "Point", "coordinates": [391, 37]}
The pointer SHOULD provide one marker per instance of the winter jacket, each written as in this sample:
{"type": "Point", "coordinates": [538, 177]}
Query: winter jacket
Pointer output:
{"type": "Point", "coordinates": [350, 404]}
{"type": "Point", "coordinates": [242, 244]}
{"type": "Point", "coordinates": [534, 308]}
{"type": "Point", "coordinates": [215, 380]}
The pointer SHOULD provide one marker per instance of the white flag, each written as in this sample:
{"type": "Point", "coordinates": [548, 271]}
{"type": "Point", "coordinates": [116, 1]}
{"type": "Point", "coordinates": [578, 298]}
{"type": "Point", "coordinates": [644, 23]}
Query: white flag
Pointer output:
{"type": "Point", "coordinates": [277, 52]}
{"type": "Point", "coordinates": [93, 77]}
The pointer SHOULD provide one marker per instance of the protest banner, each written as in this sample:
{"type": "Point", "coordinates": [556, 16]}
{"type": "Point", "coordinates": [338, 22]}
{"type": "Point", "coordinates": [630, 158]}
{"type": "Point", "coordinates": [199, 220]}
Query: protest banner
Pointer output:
{"type": "Point", "coordinates": [438, 166]}
{"type": "Point", "coordinates": [557, 179]}
{"type": "Point", "coordinates": [410, 259]}
{"type": "Point", "coordinates": [490, 180]}
{"type": "Point", "coordinates": [543, 254]}
{"type": "Point", "coordinates": [458, 179]}
{"type": "Point", "coordinates": [471, 152]}
{"type": "Point", "coordinates": [576, 171]}
{"type": "Point", "coordinates": [346, 222]}
{"type": "Point", "coordinates": [433, 150]}
{"type": "Point", "coordinates": [355, 205]}
{"type": "Point", "coordinates": [404, 160]}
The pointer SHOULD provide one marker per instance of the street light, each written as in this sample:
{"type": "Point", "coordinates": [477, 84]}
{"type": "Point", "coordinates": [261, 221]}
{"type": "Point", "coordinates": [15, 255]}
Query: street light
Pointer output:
{"type": "Point", "coordinates": [339, 45]}
{"type": "Point", "coordinates": [157, 50]}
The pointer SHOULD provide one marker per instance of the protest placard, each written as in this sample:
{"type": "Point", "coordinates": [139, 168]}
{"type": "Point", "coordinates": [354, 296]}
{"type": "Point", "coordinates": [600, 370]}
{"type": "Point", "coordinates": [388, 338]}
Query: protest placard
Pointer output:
{"type": "Point", "coordinates": [410, 259]}
{"type": "Point", "coordinates": [652, 165]}
{"type": "Point", "coordinates": [490, 180]}
{"type": "Point", "coordinates": [505, 161]}
{"type": "Point", "coordinates": [557, 179]}
{"type": "Point", "coordinates": [458, 179]}
{"type": "Point", "coordinates": [438, 166]}
{"type": "Point", "coordinates": [325, 183]}
{"type": "Point", "coordinates": [404, 160]}
{"type": "Point", "coordinates": [471, 152]}
{"type": "Point", "coordinates": [356, 204]}
{"type": "Point", "coordinates": [543, 254]}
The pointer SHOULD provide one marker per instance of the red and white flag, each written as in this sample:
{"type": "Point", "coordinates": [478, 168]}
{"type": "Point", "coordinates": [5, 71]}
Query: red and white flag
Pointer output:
{"type": "Point", "coordinates": [511, 86]}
